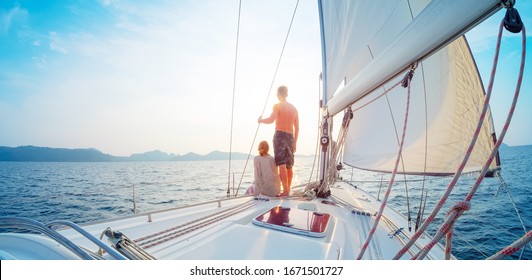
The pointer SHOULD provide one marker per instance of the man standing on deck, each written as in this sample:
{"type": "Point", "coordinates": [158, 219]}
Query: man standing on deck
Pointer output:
{"type": "Point", "coordinates": [285, 138]}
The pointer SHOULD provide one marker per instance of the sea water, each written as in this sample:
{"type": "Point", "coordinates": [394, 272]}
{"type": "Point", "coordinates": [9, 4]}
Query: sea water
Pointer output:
{"type": "Point", "coordinates": [84, 192]}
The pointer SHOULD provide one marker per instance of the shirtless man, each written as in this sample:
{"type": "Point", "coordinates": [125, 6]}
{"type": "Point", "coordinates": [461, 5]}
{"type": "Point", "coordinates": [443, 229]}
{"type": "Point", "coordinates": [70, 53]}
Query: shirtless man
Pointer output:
{"type": "Point", "coordinates": [286, 121]}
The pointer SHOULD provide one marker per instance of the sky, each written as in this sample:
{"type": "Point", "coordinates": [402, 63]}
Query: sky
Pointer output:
{"type": "Point", "coordinates": [128, 77]}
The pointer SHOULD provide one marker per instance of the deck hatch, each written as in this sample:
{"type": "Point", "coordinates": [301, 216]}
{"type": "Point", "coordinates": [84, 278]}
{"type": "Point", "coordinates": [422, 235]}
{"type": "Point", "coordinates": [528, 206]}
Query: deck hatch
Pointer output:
{"type": "Point", "coordinates": [294, 220]}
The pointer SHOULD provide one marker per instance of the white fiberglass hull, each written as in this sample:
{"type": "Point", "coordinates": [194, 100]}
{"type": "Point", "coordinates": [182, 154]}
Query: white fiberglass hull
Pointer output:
{"type": "Point", "coordinates": [226, 229]}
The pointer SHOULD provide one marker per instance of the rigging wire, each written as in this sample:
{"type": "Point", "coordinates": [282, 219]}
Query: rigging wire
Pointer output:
{"type": "Point", "coordinates": [409, 216]}
{"type": "Point", "coordinates": [385, 93]}
{"type": "Point", "coordinates": [487, 221]}
{"type": "Point", "coordinates": [505, 186]}
{"type": "Point", "coordinates": [421, 210]}
{"type": "Point", "coordinates": [337, 149]}
{"type": "Point", "coordinates": [470, 245]}
{"type": "Point", "coordinates": [407, 78]}
{"type": "Point", "coordinates": [233, 101]}
{"type": "Point", "coordinates": [268, 96]}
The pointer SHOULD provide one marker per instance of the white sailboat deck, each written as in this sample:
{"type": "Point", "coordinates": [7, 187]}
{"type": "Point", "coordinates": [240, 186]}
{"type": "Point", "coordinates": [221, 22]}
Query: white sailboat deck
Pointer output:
{"type": "Point", "coordinates": [224, 229]}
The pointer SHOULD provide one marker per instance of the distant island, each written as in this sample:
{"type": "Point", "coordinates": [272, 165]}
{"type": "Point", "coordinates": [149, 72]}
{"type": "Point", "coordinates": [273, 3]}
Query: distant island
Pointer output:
{"type": "Point", "coordinates": [45, 154]}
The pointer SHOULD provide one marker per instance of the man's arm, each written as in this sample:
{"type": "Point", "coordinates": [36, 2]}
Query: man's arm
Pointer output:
{"type": "Point", "coordinates": [271, 118]}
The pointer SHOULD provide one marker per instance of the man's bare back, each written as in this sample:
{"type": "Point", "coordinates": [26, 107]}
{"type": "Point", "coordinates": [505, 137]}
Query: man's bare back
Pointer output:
{"type": "Point", "coordinates": [286, 120]}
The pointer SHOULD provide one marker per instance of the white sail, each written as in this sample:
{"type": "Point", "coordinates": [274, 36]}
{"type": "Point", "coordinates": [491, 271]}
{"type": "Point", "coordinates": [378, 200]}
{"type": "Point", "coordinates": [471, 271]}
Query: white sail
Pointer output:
{"type": "Point", "coordinates": [447, 93]}
{"type": "Point", "coordinates": [366, 43]}
{"type": "Point", "coordinates": [446, 102]}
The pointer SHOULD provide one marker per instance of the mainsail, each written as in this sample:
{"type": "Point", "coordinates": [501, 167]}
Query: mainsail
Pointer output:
{"type": "Point", "coordinates": [364, 57]}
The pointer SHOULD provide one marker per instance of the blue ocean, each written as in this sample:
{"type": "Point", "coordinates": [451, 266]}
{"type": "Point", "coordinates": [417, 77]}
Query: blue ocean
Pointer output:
{"type": "Point", "coordinates": [83, 192]}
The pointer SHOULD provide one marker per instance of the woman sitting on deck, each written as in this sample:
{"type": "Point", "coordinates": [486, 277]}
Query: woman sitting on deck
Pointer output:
{"type": "Point", "coordinates": [267, 180]}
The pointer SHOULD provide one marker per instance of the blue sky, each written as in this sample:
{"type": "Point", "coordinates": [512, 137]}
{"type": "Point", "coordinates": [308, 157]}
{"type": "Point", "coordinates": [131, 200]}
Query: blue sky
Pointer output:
{"type": "Point", "coordinates": [482, 43]}
{"type": "Point", "coordinates": [132, 76]}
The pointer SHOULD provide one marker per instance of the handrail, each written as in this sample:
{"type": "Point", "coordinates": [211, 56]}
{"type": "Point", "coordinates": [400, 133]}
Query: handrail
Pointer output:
{"type": "Point", "coordinates": [29, 224]}
{"type": "Point", "coordinates": [93, 239]}
{"type": "Point", "coordinates": [149, 213]}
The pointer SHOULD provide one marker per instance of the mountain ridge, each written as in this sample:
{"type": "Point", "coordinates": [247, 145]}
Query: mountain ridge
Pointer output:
{"type": "Point", "coordinates": [46, 154]}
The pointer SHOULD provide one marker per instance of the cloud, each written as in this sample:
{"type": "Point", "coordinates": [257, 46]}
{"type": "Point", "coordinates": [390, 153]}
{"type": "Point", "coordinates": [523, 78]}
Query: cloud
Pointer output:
{"type": "Point", "coordinates": [10, 18]}
{"type": "Point", "coordinates": [161, 77]}
{"type": "Point", "coordinates": [56, 43]}
{"type": "Point", "coordinates": [40, 61]}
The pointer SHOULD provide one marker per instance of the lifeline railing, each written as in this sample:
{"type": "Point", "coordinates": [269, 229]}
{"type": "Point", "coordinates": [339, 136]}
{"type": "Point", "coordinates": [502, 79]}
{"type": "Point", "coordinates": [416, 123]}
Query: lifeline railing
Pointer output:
{"type": "Point", "coordinates": [29, 224]}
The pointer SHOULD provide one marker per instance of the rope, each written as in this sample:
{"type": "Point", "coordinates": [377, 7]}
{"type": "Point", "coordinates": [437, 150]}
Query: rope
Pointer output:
{"type": "Point", "coordinates": [457, 212]}
{"type": "Point", "coordinates": [448, 244]}
{"type": "Point", "coordinates": [421, 210]}
{"type": "Point", "coordinates": [377, 97]}
{"type": "Point", "coordinates": [390, 184]}
{"type": "Point", "coordinates": [174, 232]}
{"type": "Point", "coordinates": [484, 220]}
{"type": "Point", "coordinates": [335, 152]}
{"type": "Point", "coordinates": [343, 133]}
{"type": "Point", "coordinates": [402, 163]}
{"type": "Point", "coordinates": [179, 226]}
{"type": "Point", "coordinates": [516, 246]}
{"type": "Point", "coordinates": [267, 98]}
{"type": "Point", "coordinates": [447, 227]}
{"type": "Point", "coordinates": [233, 101]}
{"type": "Point", "coordinates": [462, 165]}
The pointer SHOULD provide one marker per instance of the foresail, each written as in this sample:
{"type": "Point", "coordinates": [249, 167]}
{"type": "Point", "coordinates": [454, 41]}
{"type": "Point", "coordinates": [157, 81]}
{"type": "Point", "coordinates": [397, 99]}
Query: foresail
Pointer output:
{"type": "Point", "coordinates": [369, 45]}
{"type": "Point", "coordinates": [446, 101]}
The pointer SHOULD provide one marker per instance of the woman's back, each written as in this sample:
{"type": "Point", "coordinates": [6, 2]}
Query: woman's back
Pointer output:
{"type": "Point", "coordinates": [266, 175]}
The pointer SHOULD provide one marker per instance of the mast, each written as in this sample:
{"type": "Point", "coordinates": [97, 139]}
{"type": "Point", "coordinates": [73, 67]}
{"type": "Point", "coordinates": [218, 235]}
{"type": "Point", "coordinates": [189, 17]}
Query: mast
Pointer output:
{"type": "Point", "coordinates": [324, 131]}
